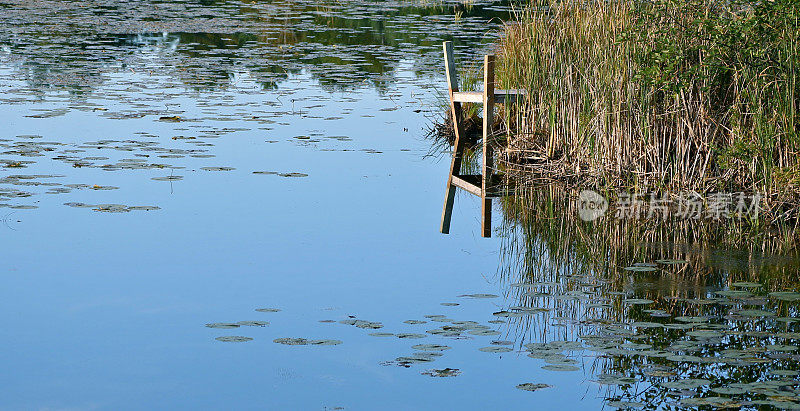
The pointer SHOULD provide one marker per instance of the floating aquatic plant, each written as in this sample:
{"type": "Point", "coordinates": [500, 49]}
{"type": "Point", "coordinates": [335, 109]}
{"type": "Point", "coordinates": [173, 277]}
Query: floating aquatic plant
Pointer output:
{"type": "Point", "coordinates": [529, 386]}
{"type": "Point", "coordinates": [445, 372]}
{"type": "Point", "coordinates": [234, 338]}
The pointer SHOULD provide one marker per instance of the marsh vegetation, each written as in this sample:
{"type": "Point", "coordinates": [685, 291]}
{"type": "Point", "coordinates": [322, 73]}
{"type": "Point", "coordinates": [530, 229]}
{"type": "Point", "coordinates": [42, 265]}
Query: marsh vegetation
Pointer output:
{"type": "Point", "coordinates": [670, 93]}
{"type": "Point", "coordinates": [223, 203]}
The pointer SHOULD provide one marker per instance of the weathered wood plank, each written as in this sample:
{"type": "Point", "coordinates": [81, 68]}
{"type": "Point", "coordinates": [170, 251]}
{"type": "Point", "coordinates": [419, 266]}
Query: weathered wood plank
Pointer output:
{"type": "Point", "coordinates": [472, 184]}
{"type": "Point", "coordinates": [487, 166]}
{"type": "Point", "coordinates": [458, 127]}
{"type": "Point", "coordinates": [450, 67]}
{"type": "Point", "coordinates": [480, 185]}
{"type": "Point", "coordinates": [468, 97]}
{"type": "Point", "coordinates": [501, 96]}
{"type": "Point", "coordinates": [467, 185]}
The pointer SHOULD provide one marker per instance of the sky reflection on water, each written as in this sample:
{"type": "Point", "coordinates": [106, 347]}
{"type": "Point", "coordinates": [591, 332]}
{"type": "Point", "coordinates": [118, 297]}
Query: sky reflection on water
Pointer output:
{"type": "Point", "coordinates": [107, 310]}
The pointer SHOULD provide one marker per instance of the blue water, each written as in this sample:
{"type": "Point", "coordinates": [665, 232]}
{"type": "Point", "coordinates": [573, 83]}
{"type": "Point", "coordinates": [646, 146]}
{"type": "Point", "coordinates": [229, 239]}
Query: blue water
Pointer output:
{"type": "Point", "coordinates": [107, 310]}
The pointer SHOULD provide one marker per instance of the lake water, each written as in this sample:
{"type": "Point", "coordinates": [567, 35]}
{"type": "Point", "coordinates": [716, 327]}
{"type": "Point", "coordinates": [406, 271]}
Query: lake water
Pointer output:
{"type": "Point", "coordinates": [170, 169]}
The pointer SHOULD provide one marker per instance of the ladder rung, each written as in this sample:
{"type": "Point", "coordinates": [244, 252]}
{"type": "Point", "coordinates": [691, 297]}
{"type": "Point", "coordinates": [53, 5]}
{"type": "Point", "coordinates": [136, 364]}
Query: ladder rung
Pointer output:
{"type": "Point", "coordinates": [472, 184]}
{"type": "Point", "coordinates": [465, 183]}
{"type": "Point", "coordinates": [468, 97]}
{"type": "Point", "coordinates": [500, 96]}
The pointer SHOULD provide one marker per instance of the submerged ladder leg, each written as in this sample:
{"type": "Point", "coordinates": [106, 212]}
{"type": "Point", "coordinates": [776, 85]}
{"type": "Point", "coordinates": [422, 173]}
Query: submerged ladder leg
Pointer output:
{"type": "Point", "coordinates": [487, 167]}
{"type": "Point", "coordinates": [458, 128]}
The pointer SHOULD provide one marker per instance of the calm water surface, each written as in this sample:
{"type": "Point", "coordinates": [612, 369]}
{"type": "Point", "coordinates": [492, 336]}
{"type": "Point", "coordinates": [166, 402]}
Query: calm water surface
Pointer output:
{"type": "Point", "coordinates": [170, 165]}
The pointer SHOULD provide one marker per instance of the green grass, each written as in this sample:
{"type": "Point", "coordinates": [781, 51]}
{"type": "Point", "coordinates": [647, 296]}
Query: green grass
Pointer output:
{"type": "Point", "coordinates": [667, 94]}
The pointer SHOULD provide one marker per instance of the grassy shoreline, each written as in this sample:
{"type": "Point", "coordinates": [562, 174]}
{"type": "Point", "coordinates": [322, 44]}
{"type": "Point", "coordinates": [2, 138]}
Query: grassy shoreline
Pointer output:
{"type": "Point", "coordinates": [665, 95]}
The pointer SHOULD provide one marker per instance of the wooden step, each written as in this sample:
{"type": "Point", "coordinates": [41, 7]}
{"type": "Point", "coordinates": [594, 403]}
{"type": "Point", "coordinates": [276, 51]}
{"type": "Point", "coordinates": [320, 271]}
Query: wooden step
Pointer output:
{"type": "Point", "coordinates": [500, 96]}
{"type": "Point", "coordinates": [472, 184]}
{"type": "Point", "coordinates": [468, 97]}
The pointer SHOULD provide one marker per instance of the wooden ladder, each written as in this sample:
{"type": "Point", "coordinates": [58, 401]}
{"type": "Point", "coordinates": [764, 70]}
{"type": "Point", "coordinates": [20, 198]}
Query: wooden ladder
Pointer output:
{"type": "Point", "coordinates": [479, 185]}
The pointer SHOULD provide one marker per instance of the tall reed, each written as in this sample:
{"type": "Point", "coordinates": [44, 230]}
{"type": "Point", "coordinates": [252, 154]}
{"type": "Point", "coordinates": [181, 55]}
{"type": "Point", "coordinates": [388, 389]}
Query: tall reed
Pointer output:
{"type": "Point", "coordinates": [697, 94]}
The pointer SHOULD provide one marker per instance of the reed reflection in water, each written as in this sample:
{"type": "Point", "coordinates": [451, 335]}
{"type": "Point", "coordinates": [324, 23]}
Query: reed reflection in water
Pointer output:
{"type": "Point", "coordinates": [657, 313]}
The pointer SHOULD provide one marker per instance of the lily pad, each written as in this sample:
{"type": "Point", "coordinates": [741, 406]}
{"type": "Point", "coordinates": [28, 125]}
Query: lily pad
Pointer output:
{"type": "Point", "coordinates": [729, 390]}
{"type": "Point", "coordinates": [445, 372]}
{"type": "Point", "coordinates": [413, 360]}
{"type": "Point", "coordinates": [785, 295]}
{"type": "Point", "coordinates": [324, 342]}
{"type": "Point", "coordinates": [704, 334]}
{"type": "Point", "coordinates": [615, 379]}
{"type": "Point", "coordinates": [496, 349]}
{"type": "Point", "coordinates": [638, 301]}
{"type": "Point", "coordinates": [371, 325]}
{"type": "Point", "coordinates": [430, 347]}
{"type": "Point", "coordinates": [746, 284]}
{"type": "Point", "coordinates": [410, 335]}
{"type": "Point", "coordinates": [253, 323]}
{"type": "Point", "coordinates": [479, 295]}
{"type": "Point", "coordinates": [640, 269]}
{"type": "Point", "coordinates": [755, 313]}
{"type": "Point", "coordinates": [222, 325]}
{"type": "Point", "coordinates": [560, 367]}
{"type": "Point", "coordinates": [734, 293]}
{"type": "Point", "coordinates": [291, 341]}
{"type": "Point", "coordinates": [234, 338]}
{"type": "Point", "coordinates": [625, 404]}
{"type": "Point", "coordinates": [671, 262]}
{"type": "Point", "coordinates": [143, 208]}
{"type": "Point", "coordinates": [719, 402]}
{"type": "Point", "coordinates": [782, 348]}
{"type": "Point", "coordinates": [483, 332]}
{"type": "Point", "coordinates": [529, 386]}
{"type": "Point", "coordinates": [695, 319]}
